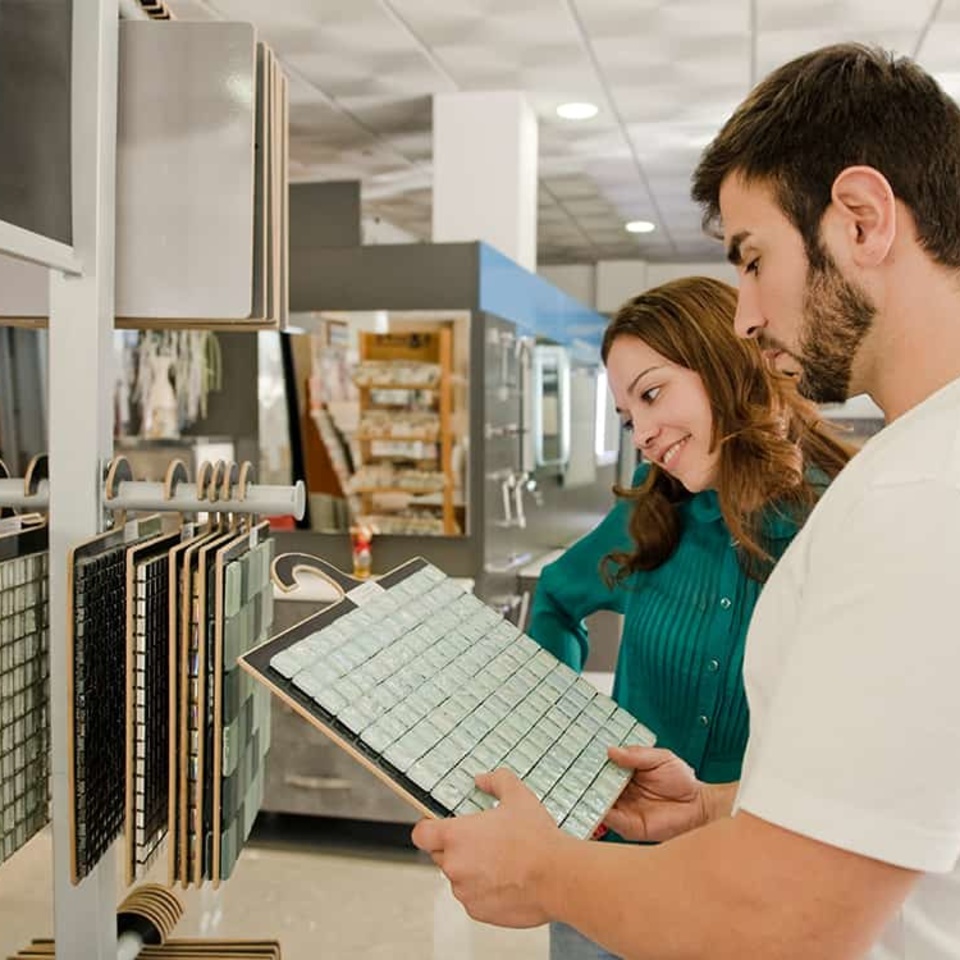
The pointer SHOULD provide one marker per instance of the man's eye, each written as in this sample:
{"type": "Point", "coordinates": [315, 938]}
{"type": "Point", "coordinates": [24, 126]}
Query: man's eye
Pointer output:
{"type": "Point", "coordinates": [753, 266]}
{"type": "Point", "coordinates": [627, 426]}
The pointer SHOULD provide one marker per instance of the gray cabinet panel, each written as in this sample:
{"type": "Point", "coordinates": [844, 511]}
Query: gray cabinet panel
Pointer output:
{"type": "Point", "coordinates": [307, 773]}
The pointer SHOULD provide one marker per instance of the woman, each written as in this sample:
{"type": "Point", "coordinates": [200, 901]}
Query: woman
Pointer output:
{"type": "Point", "coordinates": [734, 460]}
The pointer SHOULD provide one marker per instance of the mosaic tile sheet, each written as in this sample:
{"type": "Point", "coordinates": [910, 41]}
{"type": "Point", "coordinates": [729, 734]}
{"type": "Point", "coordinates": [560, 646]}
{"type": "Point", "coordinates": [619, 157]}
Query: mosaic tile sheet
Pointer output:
{"type": "Point", "coordinates": [244, 704]}
{"type": "Point", "coordinates": [24, 701]}
{"type": "Point", "coordinates": [151, 684]}
{"type": "Point", "coordinates": [99, 670]}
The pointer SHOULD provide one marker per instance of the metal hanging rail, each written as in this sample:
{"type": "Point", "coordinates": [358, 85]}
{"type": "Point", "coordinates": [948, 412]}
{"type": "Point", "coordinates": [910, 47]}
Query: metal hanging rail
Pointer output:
{"type": "Point", "coordinates": [221, 488]}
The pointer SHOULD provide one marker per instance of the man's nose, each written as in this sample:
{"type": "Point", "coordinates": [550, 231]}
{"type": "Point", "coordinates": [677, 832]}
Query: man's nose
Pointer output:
{"type": "Point", "coordinates": [748, 320]}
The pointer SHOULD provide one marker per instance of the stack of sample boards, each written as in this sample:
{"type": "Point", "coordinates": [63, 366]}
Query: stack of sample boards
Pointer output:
{"type": "Point", "coordinates": [426, 686]}
{"type": "Point", "coordinates": [201, 199]}
{"type": "Point", "coordinates": [201, 177]}
{"type": "Point", "coordinates": [159, 617]}
{"type": "Point", "coordinates": [24, 684]}
{"type": "Point", "coordinates": [147, 916]}
{"type": "Point", "coordinates": [186, 949]}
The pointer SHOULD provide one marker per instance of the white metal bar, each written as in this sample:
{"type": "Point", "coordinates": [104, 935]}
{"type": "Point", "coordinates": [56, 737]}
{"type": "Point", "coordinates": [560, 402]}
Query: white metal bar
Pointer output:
{"type": "Point", "coordinates": [265, 499]}
{"type": "Point", "coordinates": [26, 245]}
{"type": "Point", "coordinates": [12, 494]}
{"type": "Point", "coordinates": [272, 501]}
{"type": "Point", "coordinates": [129, 945]}
{"type": "Point", "coordinates": [81, 385]}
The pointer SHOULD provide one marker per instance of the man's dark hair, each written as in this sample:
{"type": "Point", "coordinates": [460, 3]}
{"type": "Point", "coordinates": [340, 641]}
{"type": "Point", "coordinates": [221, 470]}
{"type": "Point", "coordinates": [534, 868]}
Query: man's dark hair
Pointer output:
{"type": "Point", "coordinates": [837, 107]}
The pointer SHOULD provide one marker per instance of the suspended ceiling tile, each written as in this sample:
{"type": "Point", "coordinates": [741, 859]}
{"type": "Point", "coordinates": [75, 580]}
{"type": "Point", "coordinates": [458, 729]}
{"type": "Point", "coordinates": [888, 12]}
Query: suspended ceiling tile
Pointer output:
{"type": "Point", "coordinates": [363, 71]}
{"type": "Point", "coordinates": [861, 15]}
{"type": "Point", "coordinates": [775, 48]}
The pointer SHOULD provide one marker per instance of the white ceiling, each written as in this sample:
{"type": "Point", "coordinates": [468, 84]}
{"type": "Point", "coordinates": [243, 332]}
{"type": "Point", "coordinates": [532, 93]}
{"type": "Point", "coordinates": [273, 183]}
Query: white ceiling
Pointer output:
{"type": "Point", "coordinates": [665, 74]}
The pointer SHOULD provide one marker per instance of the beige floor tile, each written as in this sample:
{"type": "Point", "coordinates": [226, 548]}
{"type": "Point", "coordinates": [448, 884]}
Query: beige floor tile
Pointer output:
{"type": "Point", "coordinates": [322, 901]}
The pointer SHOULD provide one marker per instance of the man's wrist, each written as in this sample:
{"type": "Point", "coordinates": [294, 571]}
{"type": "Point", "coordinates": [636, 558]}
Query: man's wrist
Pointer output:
{"type": "Point", "coordinates": [551, 873]}
{"type": "Point", "coordinates": [717, 800]}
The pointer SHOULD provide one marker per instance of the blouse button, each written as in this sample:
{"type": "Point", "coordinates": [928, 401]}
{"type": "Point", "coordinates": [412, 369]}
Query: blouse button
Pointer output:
{"type": "Point", "coordinates": [713, 666]}
{"type": "Point", "coordinates": [703, 720]}
{"type": "Point", "coordinates": [726, 603]}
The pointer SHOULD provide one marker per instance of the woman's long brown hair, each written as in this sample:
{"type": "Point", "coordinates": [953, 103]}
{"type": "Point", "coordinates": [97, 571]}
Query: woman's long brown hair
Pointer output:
{"type": "Point", "coordinates": [768, 435]}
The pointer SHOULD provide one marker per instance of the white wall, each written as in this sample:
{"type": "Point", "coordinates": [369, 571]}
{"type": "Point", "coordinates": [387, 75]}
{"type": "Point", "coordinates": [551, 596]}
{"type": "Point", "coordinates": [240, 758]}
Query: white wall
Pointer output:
{"type": "Point", "coordinates": [578, 279]}
{"type": "Point", "coordinates": [375, 230]}
{"type": "Point", "coordinates": [608, 284]}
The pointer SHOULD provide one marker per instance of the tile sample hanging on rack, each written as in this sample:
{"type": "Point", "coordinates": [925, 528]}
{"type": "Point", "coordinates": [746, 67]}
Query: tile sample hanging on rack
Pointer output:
{"type": "Point", "coordinates": [201, 176]}
{"type": "Point", "coordinates": [220, 722]}
{"type": "Point", "coordinates": [148, 698]}
{"type": "Point", "coordinates": [24, 685]}
{"type": "Point", "coordinates": [167, 737]}
{"type": "Point", "coordinates": [243, 615]}
{"type": "Point", "coordinates": [96, 656]}
{"type": "Point", "coordinates": [191, 695]}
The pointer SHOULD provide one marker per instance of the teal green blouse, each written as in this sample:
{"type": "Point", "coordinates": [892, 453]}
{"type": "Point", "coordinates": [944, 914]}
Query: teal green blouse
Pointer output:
{"type": "Point", "coordinates": [679, 669]}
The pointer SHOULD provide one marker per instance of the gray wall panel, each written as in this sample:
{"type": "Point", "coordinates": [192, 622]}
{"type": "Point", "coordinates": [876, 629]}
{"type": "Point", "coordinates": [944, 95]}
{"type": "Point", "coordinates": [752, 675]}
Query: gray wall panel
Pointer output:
{"type": "Point", "coordinates": [323, 215]}
{"type": "Point", "coordinates": [434, 276]}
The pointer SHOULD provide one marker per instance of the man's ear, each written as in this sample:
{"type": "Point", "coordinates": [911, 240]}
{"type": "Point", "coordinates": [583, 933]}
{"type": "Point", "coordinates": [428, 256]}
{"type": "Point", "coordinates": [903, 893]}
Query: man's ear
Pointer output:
{"type": "Point", "coordinates": [863, 214]}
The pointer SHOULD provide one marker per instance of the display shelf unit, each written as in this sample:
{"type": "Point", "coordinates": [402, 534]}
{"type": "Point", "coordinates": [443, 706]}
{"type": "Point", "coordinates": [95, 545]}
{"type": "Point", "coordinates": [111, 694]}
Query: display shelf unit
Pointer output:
{"type": "Point", "coordinates": [79, 279]}
{"type": "Point", "coordinates": [405, 431]}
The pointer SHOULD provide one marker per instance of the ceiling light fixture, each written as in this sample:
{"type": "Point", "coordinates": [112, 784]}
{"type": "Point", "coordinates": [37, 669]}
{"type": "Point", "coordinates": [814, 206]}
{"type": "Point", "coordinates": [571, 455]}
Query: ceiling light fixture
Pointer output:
{"type": "Point", "coordinates": [577, 111]}
{"type": "Point", "coordinates": [640, 226]}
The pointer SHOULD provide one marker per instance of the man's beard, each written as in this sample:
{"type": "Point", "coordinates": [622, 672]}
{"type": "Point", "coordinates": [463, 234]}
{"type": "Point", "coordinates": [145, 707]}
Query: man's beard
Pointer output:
{"type": "Point", "coordinates": [836, 318]}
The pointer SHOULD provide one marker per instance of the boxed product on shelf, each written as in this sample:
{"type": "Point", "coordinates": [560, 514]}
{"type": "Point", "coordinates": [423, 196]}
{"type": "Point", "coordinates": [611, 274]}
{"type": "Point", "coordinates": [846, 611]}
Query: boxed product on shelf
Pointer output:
{"type": "Point", "coordinates": [404, 478]}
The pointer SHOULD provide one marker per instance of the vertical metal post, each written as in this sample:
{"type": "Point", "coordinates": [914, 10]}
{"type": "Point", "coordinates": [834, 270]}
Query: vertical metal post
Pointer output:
{"type": "Point", "coordinates": [80, 428]}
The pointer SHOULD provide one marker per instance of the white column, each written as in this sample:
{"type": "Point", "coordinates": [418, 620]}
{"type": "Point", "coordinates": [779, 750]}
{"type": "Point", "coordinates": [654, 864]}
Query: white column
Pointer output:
{"type": "Point", "coordinates": [485, 172]}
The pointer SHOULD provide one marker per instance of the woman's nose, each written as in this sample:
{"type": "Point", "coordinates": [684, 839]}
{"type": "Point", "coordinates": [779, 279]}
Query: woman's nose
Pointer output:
{"type": "Point", "coordinates": [644, 433]}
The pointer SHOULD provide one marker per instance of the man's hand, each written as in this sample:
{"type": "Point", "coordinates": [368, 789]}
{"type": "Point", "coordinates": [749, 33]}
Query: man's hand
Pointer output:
{"type": "Point", "coordinates": [495, 861]}
{"type": "Point", "coordinates": [663, 798]}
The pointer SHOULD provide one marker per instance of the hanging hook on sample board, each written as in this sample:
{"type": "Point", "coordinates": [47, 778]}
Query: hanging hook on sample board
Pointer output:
{"type": "Point", "coordinates": [118, 471]}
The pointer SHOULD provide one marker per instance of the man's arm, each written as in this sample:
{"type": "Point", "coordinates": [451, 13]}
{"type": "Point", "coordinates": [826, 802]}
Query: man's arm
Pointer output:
{"type": "Point", "coordinates": [739, 887]}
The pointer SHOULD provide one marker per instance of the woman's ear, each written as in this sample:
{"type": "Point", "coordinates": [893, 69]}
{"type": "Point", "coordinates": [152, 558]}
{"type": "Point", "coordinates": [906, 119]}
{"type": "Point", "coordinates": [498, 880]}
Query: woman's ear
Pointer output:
{"type": "Point", "coordinates": [863, 214]}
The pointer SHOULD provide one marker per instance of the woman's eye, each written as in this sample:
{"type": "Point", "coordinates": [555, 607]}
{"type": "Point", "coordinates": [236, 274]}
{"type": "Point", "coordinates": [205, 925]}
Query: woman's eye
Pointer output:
{"type": "Point", "coordinates": [753, 266]}
{"type": "Point", "coordinates": [627, 426]}
{"type": "Point", "coordinates": [648, 396]}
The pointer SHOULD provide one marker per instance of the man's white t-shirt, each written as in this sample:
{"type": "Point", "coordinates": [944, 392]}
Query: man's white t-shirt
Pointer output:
{"type": "Point", "coordinates": [852, 673]}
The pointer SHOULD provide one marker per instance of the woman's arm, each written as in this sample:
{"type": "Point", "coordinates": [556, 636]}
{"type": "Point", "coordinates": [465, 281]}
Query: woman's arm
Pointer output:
{"type": "Point", "coordinates": [573, 587]}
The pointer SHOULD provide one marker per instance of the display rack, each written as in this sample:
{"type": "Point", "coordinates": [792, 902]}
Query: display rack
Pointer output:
{"type": "Point", "coordinates": [405, 480]}
{"type": "Point", "coordinates": [81, 286]}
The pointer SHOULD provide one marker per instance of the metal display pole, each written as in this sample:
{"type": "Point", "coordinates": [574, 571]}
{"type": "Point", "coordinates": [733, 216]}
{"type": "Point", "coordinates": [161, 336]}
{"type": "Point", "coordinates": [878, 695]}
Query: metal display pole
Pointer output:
{"type": "Point", "coordinates": [80, 437]}
{"type": "Point", "coordinates": [148, 495]}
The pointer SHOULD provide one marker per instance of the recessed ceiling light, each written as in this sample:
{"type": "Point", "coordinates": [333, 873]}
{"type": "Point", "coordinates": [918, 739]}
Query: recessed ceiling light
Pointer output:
{"type": "Point", "coordinates": [577, 111]}
{"type": "Point", "coordinates": [640, 226]}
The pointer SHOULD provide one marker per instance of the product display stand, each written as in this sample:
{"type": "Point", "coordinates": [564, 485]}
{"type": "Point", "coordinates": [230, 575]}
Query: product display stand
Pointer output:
{"type": "Point", "coordinates": [81, 378]}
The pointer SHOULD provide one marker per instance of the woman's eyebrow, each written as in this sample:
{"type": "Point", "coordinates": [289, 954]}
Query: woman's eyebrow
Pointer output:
{"type": "Point", "coordinates": [640, 376]}
{"type": "Point", "coordinates": [636, 380]}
